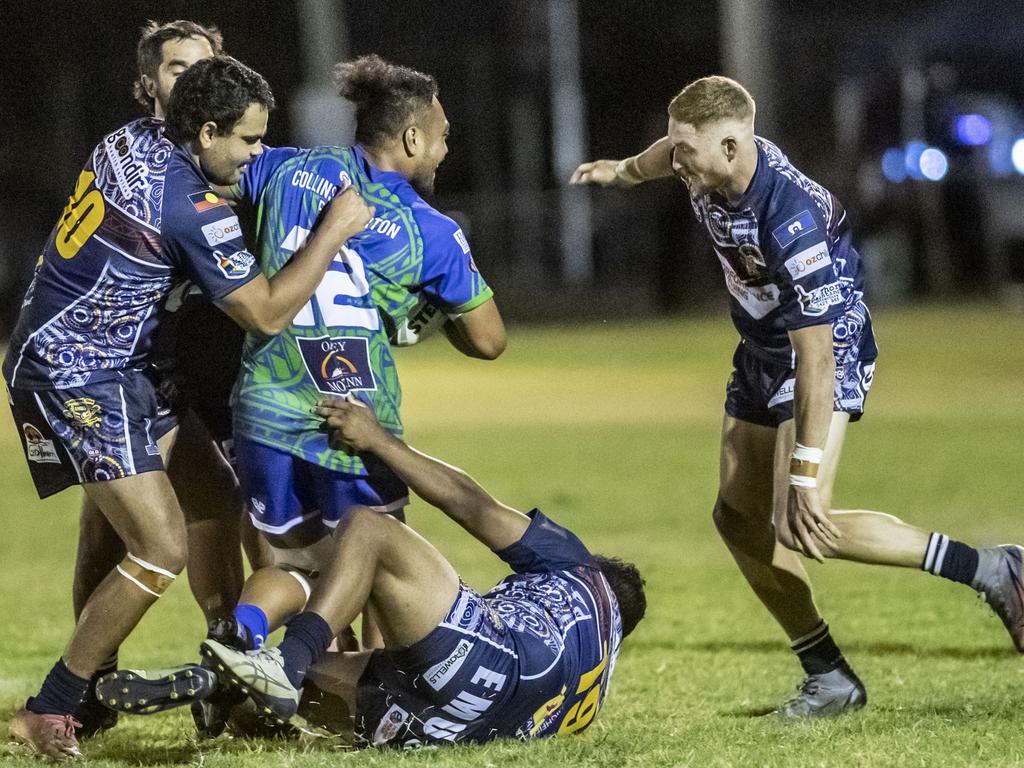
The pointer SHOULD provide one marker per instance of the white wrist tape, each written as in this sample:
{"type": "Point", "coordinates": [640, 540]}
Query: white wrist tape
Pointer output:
{"type": "Point", "coordinates": [804, 453]}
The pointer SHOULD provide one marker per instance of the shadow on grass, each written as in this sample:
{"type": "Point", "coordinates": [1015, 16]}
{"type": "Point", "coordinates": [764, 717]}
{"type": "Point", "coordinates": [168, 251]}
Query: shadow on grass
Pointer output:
{"type": "Point", "coordinates": [880, 648]}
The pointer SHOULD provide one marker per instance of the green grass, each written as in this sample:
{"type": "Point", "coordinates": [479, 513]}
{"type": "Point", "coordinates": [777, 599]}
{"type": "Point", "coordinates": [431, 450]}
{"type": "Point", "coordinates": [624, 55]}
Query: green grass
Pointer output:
{"type": "Point", "coordinates": [613, 430]}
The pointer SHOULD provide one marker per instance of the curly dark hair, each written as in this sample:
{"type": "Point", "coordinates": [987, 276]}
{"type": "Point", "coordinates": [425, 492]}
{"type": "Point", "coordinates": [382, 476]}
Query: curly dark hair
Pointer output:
{"type": "Point", "coordinates": [387, 97]}
{"type": "Point", "coordinates": [149, 54]}
{"type": "Point", "coordinates": [215, 90]}
{"type": "Point", "coordinates": [628, 586]}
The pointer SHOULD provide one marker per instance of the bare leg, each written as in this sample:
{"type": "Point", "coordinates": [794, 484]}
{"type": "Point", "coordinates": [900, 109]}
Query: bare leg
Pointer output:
{"type": "Point", "coordinates": [743, 515]}
{"type": "Point", "coordinates": [208, 492]}
{"type": "Point", "coordinates": [868, 537]}
{"type": "Point", "coordinates": [144, 512]}
{"type": "Point", "coordinates": [379, 561]}
{"type": "Point", "coordinates": [99, 550]}
{"type": "Point", "coordinates": [277, 594]}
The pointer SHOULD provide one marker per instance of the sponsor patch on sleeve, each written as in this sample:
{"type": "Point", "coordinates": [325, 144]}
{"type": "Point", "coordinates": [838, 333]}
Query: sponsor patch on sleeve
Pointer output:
{"type": "Point", "coordinates": [235, 265]}
{"type": "Point", "coordinates": [815, 303]}
{"type": "Point", "coordinates": [808, 260]}
{"type": "Point", "coordinates": [204, 201]}
{"type": "Point", "coordinates": [796, 227]}
{"type": "Point", "coordinates": [460, 238]}
{"type": "Point", "coordinates": [221, 231]}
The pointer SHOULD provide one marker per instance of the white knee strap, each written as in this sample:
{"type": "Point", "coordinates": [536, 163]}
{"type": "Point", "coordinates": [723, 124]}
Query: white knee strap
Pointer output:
{"type": "Point", "coordinates": [146, 576]}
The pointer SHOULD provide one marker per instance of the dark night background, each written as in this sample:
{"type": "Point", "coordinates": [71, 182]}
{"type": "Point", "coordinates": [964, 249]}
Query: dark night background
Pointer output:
{"type": "Point", "coordinates": [832, 87]}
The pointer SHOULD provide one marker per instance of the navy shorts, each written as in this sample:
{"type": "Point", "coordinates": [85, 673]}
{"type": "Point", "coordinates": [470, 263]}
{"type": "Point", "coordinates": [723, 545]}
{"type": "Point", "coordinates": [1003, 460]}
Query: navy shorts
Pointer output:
{"type": "Point", "coordinates": [197, 351]}
{"type": "Point", "coordinates": [295, 503]}
{"type": "Point", "coordinates": [402, 693]}
{"type": "Point", "coordinates": [102, 431]}
{"type": "Point", "coordinates": [761, 391]}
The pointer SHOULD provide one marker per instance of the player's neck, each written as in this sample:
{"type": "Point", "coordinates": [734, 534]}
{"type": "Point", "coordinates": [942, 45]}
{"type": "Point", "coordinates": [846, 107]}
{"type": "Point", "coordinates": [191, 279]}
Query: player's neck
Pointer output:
{"type": "Point", "coordinates": [743, 174]}
{"type": "Point", "coordinates": [386, 160]}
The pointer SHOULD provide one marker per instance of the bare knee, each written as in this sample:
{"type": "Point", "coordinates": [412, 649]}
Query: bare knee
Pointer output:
{"type": "Point", "coordinates": [735, 523]}
{"type": "Point", "coordinates": [365, 523]}
{"type": "Point", "coordinates": [169, 551]}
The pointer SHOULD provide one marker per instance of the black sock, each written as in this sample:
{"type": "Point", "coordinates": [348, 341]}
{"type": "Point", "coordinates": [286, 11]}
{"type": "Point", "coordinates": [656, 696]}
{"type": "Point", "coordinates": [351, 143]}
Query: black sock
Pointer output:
{"type": "Point", "coordinates": [950, 559]}
{"type": "Point", "coordinates": [307, 639]}
{"type": "Point", "coordinates": [817, 651]}
{"type": "Point", "coordinates": [61, 694]}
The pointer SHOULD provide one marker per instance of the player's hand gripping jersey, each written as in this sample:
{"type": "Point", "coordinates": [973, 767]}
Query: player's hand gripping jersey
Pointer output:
{"type": "Point", "coordinates": [337, 344]}
{"type": "Point", "coordinates": [786, 251]}
{"type": "Point", "coordinates": [533, 657]}
{"type": "Point", "coordinates": [141, 218]}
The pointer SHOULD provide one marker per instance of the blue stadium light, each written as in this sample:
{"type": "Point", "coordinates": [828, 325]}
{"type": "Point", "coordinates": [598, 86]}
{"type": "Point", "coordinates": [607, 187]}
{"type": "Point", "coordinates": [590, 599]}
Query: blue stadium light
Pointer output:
{"type": "Point", "coordinates": [972, 130]}
{"type": "Point", "coordinates": [934, 164]}
{"type": "Point", "coordinates": [912, 159]}
{"type": "Point", "coordinates": [893, 167]}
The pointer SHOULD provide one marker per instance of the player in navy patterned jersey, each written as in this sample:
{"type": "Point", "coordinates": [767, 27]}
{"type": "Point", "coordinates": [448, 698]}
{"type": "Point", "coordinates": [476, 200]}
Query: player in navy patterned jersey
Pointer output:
{"type": "Point", "coordinates": [531, 658]}
{"type": "Point", "coordinates": [203, 481]}
{"type": "Point", "coordinates": [802, 371]}
{"type": "Point", "coordinates": [142, 218]}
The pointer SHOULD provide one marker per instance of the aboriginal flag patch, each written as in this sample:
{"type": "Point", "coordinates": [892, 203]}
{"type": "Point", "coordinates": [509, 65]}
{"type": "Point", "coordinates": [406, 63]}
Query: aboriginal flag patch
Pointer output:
{"type": "Point", "coordinates": [204, 201]}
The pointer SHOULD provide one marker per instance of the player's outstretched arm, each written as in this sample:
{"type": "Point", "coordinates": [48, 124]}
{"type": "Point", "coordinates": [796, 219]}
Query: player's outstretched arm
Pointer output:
{"type": "Point", "coordinates": [270, 305]}
{"type": "Point", "coordinates": [655, 162]}
{"type": "Point", "coordinates": [446, 487]}
{"type": "Point", "coordinates": [478, 333]}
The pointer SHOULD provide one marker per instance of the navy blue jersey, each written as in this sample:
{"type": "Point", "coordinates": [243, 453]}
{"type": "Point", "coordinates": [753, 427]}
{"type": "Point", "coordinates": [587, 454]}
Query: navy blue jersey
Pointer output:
{"type": "Point", "coordinates": [531, 658]}
{"type": "Point", "coordinates": [788, 259]}
{"type": "Point", "coordinates": [141, 218]}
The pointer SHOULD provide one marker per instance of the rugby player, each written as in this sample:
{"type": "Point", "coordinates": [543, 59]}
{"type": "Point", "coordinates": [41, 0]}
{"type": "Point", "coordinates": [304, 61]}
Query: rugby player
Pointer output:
{"type": "Point", "coordinates": [531, 658]}
{"type": "Point", "coordinates": [413, 266]}
{"type": "Point", "coordinates": [203, 481]}
{"type": "Point", "coordinates": [802, 372]}
{"type": "Point", "coordinates": [142, 218]}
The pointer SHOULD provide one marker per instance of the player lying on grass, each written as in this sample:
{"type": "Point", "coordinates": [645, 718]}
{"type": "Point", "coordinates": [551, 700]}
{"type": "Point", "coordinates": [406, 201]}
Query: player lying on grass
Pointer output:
{"type": "Point", "coordinates": [803, 369]}
{"type": "Point", "coordinates": [532, 657]}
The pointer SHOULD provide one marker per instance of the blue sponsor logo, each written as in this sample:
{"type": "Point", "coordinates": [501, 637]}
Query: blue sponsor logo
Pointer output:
{"type": "Point", "coordinates": [338, 365]}
{"type": "Point", "coordinates": [795, 228]}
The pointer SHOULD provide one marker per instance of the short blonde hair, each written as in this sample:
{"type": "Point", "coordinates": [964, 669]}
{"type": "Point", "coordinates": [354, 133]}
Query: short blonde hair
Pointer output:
{"type": "Point", "coordinates": [710, 100]}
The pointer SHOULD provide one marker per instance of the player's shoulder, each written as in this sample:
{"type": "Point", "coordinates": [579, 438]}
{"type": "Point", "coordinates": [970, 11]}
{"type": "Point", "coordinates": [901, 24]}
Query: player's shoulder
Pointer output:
{"type": "Point", "coordinates": [130, 164]}
{"type": "Point", "coordinates": [190, 203]}
{"type": "Point", "coordinates": [797, 205]}
{"type": "Point", "coordinates": [440, 231]}
{"type": "Point", "coordinates": [327, 160]}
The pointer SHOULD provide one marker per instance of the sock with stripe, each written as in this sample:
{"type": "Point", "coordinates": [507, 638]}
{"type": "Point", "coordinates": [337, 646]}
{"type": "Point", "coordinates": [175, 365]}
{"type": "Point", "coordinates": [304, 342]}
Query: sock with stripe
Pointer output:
{"type": "Point", "coordinates": [950, 559]}
{"type": "Point", "coordinates": [817, 651]}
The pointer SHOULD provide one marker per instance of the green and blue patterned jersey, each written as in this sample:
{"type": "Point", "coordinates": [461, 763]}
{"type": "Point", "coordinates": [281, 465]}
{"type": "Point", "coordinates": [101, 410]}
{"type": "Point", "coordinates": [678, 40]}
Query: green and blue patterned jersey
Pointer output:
{"type": "Point", "coordinates": [338, 342]}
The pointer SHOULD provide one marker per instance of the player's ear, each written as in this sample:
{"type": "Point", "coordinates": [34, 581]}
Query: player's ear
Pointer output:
{"type": "Point", "coordinates": [207, 133]}
{"type": "Point", "coordinates": [729, 147]}
{"type": "Point", "coordinates": [148, 85]}
{"type": "Point", "coordinates": [411, 140]}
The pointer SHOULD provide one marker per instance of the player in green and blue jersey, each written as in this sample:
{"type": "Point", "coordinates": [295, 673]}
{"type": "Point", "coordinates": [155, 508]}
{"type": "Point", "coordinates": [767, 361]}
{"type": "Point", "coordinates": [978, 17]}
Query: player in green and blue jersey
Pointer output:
{"type": "Point", "coordinates": [409, 258]}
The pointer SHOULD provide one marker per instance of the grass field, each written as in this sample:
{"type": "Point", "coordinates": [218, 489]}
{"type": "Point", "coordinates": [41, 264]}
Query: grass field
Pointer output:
{"type": "Point", "coordinates": [613, 430]}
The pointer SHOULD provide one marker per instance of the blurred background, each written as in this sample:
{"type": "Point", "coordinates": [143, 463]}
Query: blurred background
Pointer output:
{"type": "Point", "coordinates": [911, 112]}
